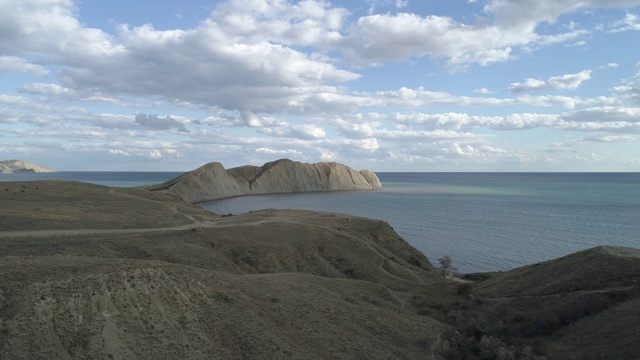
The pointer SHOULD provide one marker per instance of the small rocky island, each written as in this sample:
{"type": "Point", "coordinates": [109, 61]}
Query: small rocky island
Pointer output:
{"type": "Point", "coordinates": [21, 166]}
{"type": "Point", "coordinates": [96, 272]}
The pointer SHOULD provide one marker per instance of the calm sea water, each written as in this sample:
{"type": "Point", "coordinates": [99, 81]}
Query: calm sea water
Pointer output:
{"type": "Point", "coordinates": [483, 221]}
{"type": "Point", "coordinates": [486, 221]}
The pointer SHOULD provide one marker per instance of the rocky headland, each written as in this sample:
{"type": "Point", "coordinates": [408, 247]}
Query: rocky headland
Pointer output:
{"type": "Point", "coordinates": [95, 272]}
{"type": "Point", "coordinates": [21, 166]}
{"type": "Point", "coordinates": [213, 182]}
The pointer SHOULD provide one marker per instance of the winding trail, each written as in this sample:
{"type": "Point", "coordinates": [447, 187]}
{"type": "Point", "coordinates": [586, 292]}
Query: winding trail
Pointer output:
{"type": "Point", "coordinates": [197, 224]}
{"type": "Point", "coordinates": [47, 233]}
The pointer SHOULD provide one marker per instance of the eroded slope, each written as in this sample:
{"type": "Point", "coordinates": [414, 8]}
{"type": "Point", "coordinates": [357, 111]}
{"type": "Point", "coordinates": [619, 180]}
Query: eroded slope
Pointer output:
{"type": "Point", "coordinates": [270, 284]}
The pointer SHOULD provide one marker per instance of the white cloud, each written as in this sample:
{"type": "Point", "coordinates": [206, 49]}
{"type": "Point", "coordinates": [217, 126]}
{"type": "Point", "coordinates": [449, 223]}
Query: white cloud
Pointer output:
{"type": "Point", "coordinates": [631, 22]}
{"type": "Point", "coordinates": [271, 78]}
{"type": "Point", "coordinates": [154, 122]}
{"type": "Point", "coordinates": [224, 120]}
{"type": "Point", "coordinates": [483, 91]}
{"type": "Point", "coordinates": [270, 152]}
{"type": "Point", "coordinates": [214, 64]}
{"type": "Point", "coordinates": [469, 123]}
{"type": "Point", "coordinates": [527, 14]}
{"type": "Point", "coordinates": [382, 37]}
{"type": "Point", "coordinates": [605, 114]}
{"type": "Point", "coordinates": [310, 22]}
{"type": "Point", "coordinates": [245, 57]}
{"type": "Point", "coordinates": [17, 64]}
{"type": "Point", "coordinates": [119, 152]}
{"type": "Point", "coordinates": [563, 82]}
{"type": "Point", "coordinates": [155, 154]}
{"type": "Point", "coordinates": [611, 138]}
{"type": "Point", "coordinates": [48, 89]}
{"type": "Point", "coordinates": [305, 132]}
{"type": "Point", "coordinates": [50, 27]}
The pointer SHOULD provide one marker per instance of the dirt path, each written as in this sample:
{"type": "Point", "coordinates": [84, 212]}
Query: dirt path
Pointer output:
{"type": "Point", "coordinates": [222, 222]}
{"type": "Point", "coordinates": [47, 233]}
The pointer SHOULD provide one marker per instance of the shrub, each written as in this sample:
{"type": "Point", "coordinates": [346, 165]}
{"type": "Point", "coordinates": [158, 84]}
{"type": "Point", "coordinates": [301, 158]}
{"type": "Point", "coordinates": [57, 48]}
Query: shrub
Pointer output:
{"type": "Point", "coordinates": [464, 290]}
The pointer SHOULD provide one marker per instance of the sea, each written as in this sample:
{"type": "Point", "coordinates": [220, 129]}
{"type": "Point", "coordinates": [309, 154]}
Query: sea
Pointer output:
{"type": "Point", "coordinates": [482, 221]}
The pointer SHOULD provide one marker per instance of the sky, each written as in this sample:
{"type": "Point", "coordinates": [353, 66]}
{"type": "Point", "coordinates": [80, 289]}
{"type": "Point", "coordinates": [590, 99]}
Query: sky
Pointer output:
{"type": "Point", "coordinates": [387, 85]}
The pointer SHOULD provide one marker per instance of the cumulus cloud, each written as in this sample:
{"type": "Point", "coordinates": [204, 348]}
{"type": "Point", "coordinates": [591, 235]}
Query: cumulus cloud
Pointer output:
{"type": "Point", "coordinates": [286, 152]}
{"type": "Point", "coordinates": [214, 64]}
{"type": "Point", "coordinates": [154, 122]}
{"type": "Point", "coordinates": [50, 28]}
{"type": "Point", "coordinates": [18, 64]}
{"type": "Point", "coordinates": [240, 57]}
{"type": "Point", "coordinates": [527, 14]}
{"type": "Point", "coordinates": [155, 154]}
{"type": "Point", "coordinates": [224, 120]}
{"type": "Point", "coordinates": [631, 22]}
{"type": "Point", "coordinates": [119, 152]}
{"type": "Point", "coordinates": [270, 78]}
{"type": "Point", "coordinates": [245, 56]}
{"type": "Point", "coordinates": [605, 115]}
{"type": "Point", "coordinates": [611, 138]}
{"type": "Point", "coordinates": [48, 89]}
{"type": "Point", "coordinates": [563, 82]}
{"type": "Point", "coordinates": [382, 37]}
{"type": "Point", "coordinates": [483, 91]}
{"type": "Point", "coordinates": [379, 37]}
{"type": "Point", "coordinates": [307, 132]}
{"type": "Point", "coordinates": [467, 123]}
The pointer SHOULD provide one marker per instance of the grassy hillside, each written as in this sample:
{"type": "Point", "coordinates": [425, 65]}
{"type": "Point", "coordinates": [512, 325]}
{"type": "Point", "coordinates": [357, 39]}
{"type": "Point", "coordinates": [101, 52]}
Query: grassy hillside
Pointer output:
{"type": "Point", "coordinates": [115, 274]}
{"type": "Point", "coordinates": [89, 271]}
{"type": "Point", "coordinates": [581, 306]}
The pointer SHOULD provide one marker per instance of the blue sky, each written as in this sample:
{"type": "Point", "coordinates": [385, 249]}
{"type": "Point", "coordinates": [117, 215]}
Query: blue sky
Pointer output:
{"type": "Point", "coordinates": [388, 85]}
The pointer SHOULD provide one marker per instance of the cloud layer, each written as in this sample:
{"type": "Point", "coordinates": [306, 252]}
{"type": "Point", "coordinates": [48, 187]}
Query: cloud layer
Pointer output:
{"type": "Point", "coordinates": [257, 79]}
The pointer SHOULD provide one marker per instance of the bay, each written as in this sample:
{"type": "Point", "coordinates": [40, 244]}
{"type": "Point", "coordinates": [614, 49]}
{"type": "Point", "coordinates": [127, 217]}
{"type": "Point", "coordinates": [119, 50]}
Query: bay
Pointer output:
{"type": "Point", "coordinates": [483, 221]}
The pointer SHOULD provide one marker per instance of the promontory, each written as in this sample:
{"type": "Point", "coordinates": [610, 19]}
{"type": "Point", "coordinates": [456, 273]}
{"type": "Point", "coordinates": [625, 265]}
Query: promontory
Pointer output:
{"type": "Point", "coordinates": [97, 272]}
{"type": "Point", "coordinates": [21, 166]}
{"type": "Point", "coordinates": [213, 182]}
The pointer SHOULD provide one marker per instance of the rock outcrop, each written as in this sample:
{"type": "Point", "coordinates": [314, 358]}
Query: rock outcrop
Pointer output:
{"type": "Point", "coordinates": [21, 166]}
{"type": "Point", "coordinates": [213, 182]}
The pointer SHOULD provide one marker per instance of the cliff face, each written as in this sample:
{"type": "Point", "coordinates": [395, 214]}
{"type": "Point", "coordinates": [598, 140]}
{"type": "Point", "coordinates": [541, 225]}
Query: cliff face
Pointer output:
{"type": "Point", "coordinates": [214, 182]}
{"type": "Point", "coordinates": [20, 166]}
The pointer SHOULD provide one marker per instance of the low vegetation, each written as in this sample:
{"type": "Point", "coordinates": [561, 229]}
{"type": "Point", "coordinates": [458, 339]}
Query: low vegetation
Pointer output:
{"type": "Point", "coordinates": [95, 272]}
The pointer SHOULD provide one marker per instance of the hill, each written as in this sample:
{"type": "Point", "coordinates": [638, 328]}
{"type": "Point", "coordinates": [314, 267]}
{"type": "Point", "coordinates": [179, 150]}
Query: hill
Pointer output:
{"type": "Point", "coordinates": [581, 306]}
{"type": "Point", "coordinates": [213, 182]}
{"type": "Point", "coordinates": [89, 271]}
{"type": "Point", "coordinates": [18, 166]}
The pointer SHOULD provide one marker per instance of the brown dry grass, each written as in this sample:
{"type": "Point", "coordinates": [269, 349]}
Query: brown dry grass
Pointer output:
{"type": "Point", "coordinates": [88, 271]}
{"type": "Point", "coordinates": [264, 285]}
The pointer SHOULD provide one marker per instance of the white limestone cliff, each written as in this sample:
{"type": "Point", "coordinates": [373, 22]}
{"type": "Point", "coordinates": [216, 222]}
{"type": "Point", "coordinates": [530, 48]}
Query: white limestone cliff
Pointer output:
{"type": "Point", "coordinates": [213, 182]}
{"type": "Point", "coordinates": [21, 166]}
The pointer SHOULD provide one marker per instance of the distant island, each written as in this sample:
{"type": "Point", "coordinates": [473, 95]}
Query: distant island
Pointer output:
{"type": "Point", "coordinates": [96, 272]}
{"type": "Point", "coordinates": [21, 166]}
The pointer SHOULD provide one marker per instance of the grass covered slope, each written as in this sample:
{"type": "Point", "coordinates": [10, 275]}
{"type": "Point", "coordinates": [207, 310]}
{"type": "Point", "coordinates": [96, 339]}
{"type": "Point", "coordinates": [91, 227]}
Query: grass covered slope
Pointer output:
{"type": "Point", "coordinates": [59, 205]}
{"type": "Point", "coordinates": [269, 284]}
{"type": "Point", "coordinates": [581, 306]}
{"type": "Point", "coordinates": [89, 271]}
